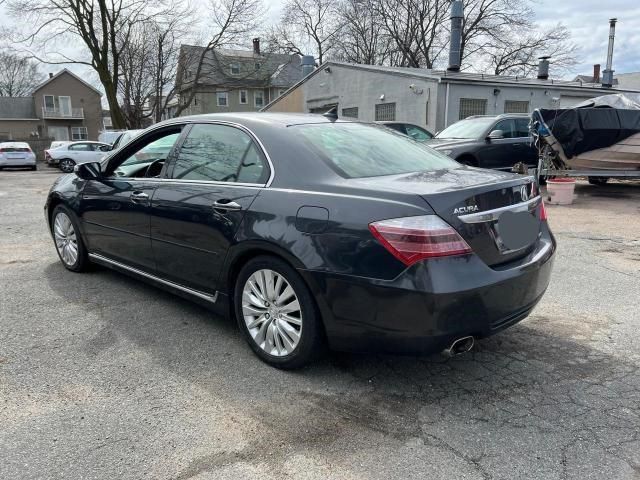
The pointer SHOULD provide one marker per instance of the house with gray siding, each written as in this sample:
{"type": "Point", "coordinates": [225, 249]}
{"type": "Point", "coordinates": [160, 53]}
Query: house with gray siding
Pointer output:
{"type": "Point", "coordinates": [64, 107]}
{"type": "Point", "coordinates": [234, 80]}
{"type": "Point", "coordinates": [430, 98]}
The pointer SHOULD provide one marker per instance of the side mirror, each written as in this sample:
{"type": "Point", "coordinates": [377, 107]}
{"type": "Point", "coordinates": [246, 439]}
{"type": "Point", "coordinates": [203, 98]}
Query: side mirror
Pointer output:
{"type": "Point", "coordinates": [88, 171]}
{"type": "Point", "coordinates": [496, 135]}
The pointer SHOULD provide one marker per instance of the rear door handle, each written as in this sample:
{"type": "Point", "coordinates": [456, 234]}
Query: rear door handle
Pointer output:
{"type": "Point", "coordinates": [139, 197]}
{"type": "Point", "coordinates": [226, 205]}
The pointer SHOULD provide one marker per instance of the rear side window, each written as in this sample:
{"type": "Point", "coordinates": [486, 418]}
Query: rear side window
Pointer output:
{"type": "Point", "coordinates": [80, 147]}
{"type": "Point", "coordinates": [219, 153]}
{"type": "Point", "coordinates": [356, 150]}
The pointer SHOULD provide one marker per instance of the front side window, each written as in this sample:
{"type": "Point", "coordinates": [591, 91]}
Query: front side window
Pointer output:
{"type": "Point", "coordinates": [506, 127]}
{"type": "Point", "coordinates": [219, 153]}
{"type": "Point", "coordinates": [80, 147]}
{"type": "Point", "coordinates": [151, 151]}
{"type": "Point", "coordinates": [243, 97]}
{"type": "Point", "coordinates": [471, 129]}
{"type": "Point", "coordinates": [418, 134]}
{"type": "Point", "coordinates": [258, 97]}
{"type": "Point", "coordinates": [79, 133]}
{"type": "Point", "coordinates": [522, 127]}
{"type": "Point", "coordinates": [357, 150]}
{"type": "Point", "coordinates": [221, 99]}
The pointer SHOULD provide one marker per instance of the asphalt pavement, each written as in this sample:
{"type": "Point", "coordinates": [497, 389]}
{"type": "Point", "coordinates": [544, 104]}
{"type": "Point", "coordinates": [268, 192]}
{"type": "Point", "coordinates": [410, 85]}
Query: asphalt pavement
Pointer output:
{"type": "Point", "coordinates": [104, 377]}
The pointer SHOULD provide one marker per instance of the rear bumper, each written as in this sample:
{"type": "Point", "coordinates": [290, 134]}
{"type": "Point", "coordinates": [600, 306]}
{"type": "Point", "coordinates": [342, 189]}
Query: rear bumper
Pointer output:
{"type": "Point", "coordinates": [432, 303]}
{"type": "Point", "coordinates": [22, 162]}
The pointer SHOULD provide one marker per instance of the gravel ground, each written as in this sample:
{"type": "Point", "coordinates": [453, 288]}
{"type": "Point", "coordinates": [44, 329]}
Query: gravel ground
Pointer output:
{"type": "Point", "coordinates": [102, 376]}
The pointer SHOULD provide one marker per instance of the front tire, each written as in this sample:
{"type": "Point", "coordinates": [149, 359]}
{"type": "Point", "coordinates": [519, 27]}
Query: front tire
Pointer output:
{"type": "Point", "coordinates": [68, 240]}
{"type": "Point", "coordinates": [66, 165]}
{"type": "Point", "coordinates": [598, 180]}
{"type": "Point", "coordinates": [276, 313]}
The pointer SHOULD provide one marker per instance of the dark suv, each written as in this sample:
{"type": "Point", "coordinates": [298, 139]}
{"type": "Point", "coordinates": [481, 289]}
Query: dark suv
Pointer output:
{"type": "Point", "coordinates": [496, 141]}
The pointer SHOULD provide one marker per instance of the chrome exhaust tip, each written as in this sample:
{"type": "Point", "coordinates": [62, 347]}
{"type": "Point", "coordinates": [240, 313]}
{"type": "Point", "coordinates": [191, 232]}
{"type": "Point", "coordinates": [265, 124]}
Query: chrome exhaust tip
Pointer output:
{"type": "Point", "coordinates": [460, 346]}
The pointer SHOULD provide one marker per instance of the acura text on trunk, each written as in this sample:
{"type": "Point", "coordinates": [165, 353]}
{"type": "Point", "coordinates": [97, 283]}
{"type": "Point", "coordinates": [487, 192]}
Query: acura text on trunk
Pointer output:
{"type": "Point", "coordinates": [312, 231]}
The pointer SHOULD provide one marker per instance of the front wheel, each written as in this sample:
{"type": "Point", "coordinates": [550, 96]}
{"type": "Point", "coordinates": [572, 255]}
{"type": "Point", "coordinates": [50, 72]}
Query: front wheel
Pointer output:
{"type": "Point", "coordinates": [66, 165]}
{"type": "Point", "coordinates": [276, 313]}
{"type": "Point", "coordinates": [67, 239]}
{"type": "Point", "coordinates": [598, 180]}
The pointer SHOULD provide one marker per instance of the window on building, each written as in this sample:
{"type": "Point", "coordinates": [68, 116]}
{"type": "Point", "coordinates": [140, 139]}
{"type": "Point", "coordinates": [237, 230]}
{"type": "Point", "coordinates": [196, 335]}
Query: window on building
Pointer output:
{"type": "Point", "coordinates": [257, 66]}
{"type": "Point", "coordinates": [49, 102]}
{"type": "Point", "coordinates": [258, 98]}
{"type": "Point", "coordinates": [107, 122]}
{"type": "Point", "coordinates": [515, 106]}
{"type": "Point", "coordinates": [472, 106]}
{"type": "Point", "coordinates": [221, 154]}
{"type": "Point", "coordinates": [235, 69]}
{"type": "Point", "coordinates": [79, 133]}
{"type": "Point", "coordinates": [243, 97]}
{"type": "Point", "coordinates": [351, 112]}
{"type": "Point", "coordinates": [385, 112]}
{"type": "Point", "coordinates": [281, 92]}
{"type": "Point", "coordinates": [222, 99]}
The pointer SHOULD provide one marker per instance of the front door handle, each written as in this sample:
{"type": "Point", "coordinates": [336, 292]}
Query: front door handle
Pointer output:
{"type": "Point", "coordinates": [226, 205]}
{"type": "Point", "coordinates": [139, 197]}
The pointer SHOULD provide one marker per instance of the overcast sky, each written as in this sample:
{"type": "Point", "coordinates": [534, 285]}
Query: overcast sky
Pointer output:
{"type": "Point", "coordinates": [586, 19]}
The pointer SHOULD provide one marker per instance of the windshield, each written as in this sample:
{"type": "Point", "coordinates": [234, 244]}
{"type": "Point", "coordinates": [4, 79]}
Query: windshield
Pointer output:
{"type": "Point", "coordinates": [358, 150]}
{"type": "Point", "coordinates": [471, 129]}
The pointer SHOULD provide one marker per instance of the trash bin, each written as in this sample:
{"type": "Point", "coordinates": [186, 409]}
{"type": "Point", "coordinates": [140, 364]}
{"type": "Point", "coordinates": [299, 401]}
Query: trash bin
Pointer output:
{"type": "Point", "coordinates": [560, 191]}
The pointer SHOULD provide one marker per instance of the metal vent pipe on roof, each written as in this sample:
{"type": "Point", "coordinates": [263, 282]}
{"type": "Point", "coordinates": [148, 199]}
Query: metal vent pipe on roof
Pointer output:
{"type": "Point", "coordinates": [607, 75]}
{"type": "Point", "coordinates": [455, 44]}
{"type": "Point", "coordinates": [543, 68]}
{"type": "Point", "coordinates": [308, 63]}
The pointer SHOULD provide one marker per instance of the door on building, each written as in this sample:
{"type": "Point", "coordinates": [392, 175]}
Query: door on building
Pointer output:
{"type": "Point", "coordinates": [59, 133]}
{"type": "Point", "coordinates": [65, 106]}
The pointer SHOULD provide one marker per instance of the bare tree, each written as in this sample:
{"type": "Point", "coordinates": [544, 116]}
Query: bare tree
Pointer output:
{"type": "Point", "coordinates": [518, 54]}
{"type": "Point", "coordinates": [416, 28]}
{"type": "Point", "coordinates": [229, 23]}
{"type": "Point", "coordinates": [363, 38]}
{"type": "Point", "coordinates": [149, 62]}
{"type": "Point", "coordinates": [100, 25]}
{"type": "Point", "coordinates": [308, 27]}
{"type": "Point", "coordinates": [18, 75]}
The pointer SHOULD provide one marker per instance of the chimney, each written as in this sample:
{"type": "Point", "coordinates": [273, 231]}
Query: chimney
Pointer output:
{"type": "Point", "coordinates": [256, 46]}
{"type": "Point", "coordinates": [308, 64]}
{"type": "Point", "coordinates": [543, 68]}
{"type": "Point", "coordinates": [607, 75]}
{"type": "Point", "coordinates": [596, 73]}
{"type": "Point", "coordinates": [50, 75]}
{"type": "Point", "coordinates": [457, 15]}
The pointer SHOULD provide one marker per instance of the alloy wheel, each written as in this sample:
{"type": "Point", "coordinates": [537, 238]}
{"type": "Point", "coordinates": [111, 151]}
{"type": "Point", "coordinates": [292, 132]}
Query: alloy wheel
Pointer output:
{"type": "Point", "coordinates": [65, 238]}
{"type": "Point", "coordinates": [272, 312]}
{"type": "Point", "coordinates": [66, 166]}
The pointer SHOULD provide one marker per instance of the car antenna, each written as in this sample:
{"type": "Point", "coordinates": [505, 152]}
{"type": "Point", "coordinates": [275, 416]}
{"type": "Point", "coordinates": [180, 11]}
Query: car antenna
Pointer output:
{"type": "Point", "coordinates": [331, 114]}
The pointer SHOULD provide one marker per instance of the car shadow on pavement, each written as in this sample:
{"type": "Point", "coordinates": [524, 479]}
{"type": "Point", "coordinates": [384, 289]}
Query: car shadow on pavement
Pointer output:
{"type": "Point", "coordinates": [541, 375]}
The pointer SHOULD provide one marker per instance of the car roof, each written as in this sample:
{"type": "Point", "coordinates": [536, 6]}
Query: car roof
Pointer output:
{"type": "Point", "coordinates": [85, 141]}
{"type": "Point", "coordinates": [282, 119]}
{"type": "Point", "coordinates": [15, 144]}
{"type": "Point", "coordinates": [502, 115]}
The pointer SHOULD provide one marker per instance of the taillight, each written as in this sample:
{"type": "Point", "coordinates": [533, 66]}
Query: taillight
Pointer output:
{"type": "Point", "coordinates": [543, 211]}
{"type": "Point", "coordinates": [411, 239]}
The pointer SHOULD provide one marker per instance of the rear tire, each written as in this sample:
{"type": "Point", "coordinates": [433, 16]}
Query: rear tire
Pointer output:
{"type": "Point", "coordinates": [66, 165]}
{"type": "Point", "coordinates": [68, 240]}
{"type": "Point", "coordinates": [598, 180]}
{"type": "Point", "coordinates": [276, 313]}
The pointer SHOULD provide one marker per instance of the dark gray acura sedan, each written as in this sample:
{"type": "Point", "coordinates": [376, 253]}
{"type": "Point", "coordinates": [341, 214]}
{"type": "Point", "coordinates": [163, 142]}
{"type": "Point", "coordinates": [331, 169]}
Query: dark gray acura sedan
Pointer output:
{"type": "Point", "coordinates": [312, 232]}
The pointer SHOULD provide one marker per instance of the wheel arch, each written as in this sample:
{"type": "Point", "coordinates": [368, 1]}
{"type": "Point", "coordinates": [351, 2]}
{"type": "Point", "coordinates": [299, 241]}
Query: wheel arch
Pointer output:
{"type": "Point", "coordinates": [467, 159]}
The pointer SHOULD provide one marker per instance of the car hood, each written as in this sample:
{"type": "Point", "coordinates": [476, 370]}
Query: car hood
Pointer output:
{"type": "Point", "coordinates": [444, 143]}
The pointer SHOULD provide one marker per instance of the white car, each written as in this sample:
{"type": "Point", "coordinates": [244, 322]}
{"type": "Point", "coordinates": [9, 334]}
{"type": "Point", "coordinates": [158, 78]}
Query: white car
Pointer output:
{"type": "Point", "coordinates": [17, 154]}
{"type": "Point", "coordinates": [68, 156]}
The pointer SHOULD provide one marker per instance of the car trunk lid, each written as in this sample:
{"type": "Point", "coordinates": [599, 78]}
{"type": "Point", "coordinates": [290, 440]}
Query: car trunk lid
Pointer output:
{"type": "Point", "coordinates": [496, 213]}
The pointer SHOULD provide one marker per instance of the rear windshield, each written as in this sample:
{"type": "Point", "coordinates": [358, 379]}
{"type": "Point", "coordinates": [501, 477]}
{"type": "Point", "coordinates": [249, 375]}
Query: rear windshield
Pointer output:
{"type": "Point", "coordinates": [13, 149]}
{"type": "Point", "coordinates": [357, 150]}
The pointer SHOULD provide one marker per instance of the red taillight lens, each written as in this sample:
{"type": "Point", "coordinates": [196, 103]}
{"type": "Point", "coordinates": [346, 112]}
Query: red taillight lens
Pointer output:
{"type": "Point", "coordinates": [543, 211]}
{"type": "Point", "coordinates": [411, 239]}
